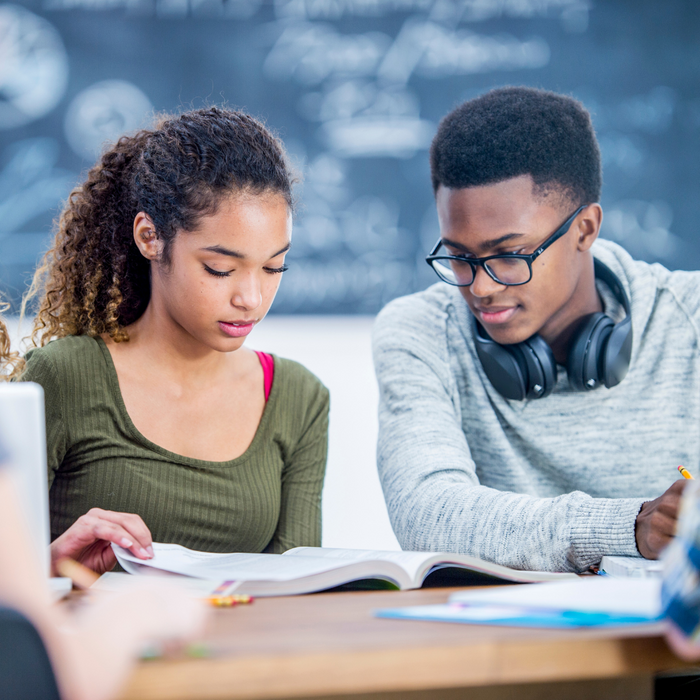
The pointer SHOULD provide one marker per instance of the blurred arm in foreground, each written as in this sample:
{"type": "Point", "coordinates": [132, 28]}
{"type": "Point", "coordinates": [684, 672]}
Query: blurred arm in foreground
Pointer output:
{"type": "Point", "coordinates": [92, 652]}
{"type": "Point", "coordinates": [681, 586]}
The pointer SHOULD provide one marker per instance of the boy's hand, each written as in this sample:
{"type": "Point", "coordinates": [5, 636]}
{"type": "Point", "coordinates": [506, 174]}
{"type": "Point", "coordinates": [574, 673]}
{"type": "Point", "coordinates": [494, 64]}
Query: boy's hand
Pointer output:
{"type": "Point", "coordinates": [656, 522]}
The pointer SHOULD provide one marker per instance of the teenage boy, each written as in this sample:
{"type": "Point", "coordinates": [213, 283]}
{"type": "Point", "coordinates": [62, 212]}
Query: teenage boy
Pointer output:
{"type": "Point", "coordinates": [535, 404]}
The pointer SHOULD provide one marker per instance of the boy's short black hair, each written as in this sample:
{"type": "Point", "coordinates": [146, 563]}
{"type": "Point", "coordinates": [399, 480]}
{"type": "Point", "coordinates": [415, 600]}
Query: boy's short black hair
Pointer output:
{"type": "Point", "coordinates": [515, 131]}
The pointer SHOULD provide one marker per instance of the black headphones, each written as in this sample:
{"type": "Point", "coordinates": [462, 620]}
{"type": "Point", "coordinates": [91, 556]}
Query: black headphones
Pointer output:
{"type": "Point", "coordinates": [599, 353]}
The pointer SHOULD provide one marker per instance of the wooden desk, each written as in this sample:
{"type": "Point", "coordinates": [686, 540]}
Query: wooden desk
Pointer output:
{"type": "Point", "coordinates": [330, 645]}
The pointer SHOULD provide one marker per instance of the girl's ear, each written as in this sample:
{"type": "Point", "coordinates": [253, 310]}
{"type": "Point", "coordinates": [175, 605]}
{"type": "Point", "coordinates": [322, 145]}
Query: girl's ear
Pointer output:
{"type": "Point", "coordinates": [145, 237]}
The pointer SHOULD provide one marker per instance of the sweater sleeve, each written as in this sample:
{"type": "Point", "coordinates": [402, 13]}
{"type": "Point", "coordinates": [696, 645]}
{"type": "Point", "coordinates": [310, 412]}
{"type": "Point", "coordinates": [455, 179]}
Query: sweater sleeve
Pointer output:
{"type": "Point", "coordinates": [41, 370]}
{"type": "Point", "coordinates": [430, 483]}
{"type": "Point", "coordinates": [299, 521]}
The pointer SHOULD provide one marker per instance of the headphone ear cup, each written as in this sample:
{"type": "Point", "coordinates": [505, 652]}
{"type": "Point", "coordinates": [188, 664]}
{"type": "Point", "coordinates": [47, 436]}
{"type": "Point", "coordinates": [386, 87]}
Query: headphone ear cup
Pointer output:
{"type": "Point", "coordinates": [505, 369]}
{"type": "Point", "coordinates": [585, 352]}
{"type": "Point", "coordinates": [618, 354]}
{"type": "Point", "coordinates": [519, 371]}
{"type": "Point", "coordinates": [600, 352]}
{"type": "Point", "coordinates": [542, 367]}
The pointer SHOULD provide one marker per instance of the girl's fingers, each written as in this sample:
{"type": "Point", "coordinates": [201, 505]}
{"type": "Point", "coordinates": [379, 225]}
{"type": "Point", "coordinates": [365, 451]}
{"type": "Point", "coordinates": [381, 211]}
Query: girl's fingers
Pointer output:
{"type": "Point", "coordinates": [112, 532]}
{"type": "Point", "coordinates": [133, 527]}
{"type": "Point", "coordinates": [97, 525]}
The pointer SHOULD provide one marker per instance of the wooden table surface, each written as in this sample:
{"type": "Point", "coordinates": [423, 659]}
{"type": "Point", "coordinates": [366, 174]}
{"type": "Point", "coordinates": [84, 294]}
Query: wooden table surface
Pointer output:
{"type": "Point", "coordinates": [330, 645]}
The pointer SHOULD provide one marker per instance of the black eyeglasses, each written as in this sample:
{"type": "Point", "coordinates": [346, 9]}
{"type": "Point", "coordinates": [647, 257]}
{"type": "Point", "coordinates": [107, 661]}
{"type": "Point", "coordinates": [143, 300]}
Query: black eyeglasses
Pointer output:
{"type": "Point", "coordinates": [510, 269]}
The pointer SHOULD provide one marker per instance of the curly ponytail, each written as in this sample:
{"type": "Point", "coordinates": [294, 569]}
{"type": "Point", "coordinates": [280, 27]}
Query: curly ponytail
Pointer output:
{"type": "Point", "coordinates": [93, 280]}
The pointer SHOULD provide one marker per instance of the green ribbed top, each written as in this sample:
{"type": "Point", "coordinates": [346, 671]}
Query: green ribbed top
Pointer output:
{"type": "Point", "coordinates": [270, 495]}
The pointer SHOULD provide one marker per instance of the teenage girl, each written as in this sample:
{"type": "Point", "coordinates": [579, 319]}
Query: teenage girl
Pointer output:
{"type": "Point", "coordinates": [160, 424]}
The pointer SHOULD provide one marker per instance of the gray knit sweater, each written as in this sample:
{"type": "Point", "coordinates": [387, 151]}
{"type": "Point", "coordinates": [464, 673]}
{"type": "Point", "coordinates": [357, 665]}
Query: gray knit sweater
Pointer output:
{"type": "Point", "coordinates": [550, 484]}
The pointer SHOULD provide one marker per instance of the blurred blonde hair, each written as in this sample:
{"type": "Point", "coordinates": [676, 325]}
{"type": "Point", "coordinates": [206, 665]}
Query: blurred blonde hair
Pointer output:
{"type": "Point", "coordinates": [11, 363]}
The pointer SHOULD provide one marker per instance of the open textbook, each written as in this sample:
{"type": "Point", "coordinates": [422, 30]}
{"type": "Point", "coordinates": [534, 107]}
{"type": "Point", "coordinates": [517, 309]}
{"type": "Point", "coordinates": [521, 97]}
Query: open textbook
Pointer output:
{"type": "Point", "coordinates": [310, 569]}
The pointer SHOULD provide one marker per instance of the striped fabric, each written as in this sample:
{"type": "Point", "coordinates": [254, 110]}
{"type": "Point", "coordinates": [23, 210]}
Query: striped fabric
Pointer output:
{"type": "Point", "coordinates": [269, 497]}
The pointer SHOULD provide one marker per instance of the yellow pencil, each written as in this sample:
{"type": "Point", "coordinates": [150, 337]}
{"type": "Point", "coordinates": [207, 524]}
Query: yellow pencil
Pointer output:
{"type": "Point", "coordinates": [228, 601]}
{"type": "Point", "coordinates": [685, 473]}
{"type": "Point", "coordinates": [81, 576]}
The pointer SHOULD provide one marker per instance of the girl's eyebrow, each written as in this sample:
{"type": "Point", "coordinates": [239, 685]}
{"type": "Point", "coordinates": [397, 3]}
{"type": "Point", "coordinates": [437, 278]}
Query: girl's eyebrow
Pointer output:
{"type": "Point", "coordinates": [220, 250]}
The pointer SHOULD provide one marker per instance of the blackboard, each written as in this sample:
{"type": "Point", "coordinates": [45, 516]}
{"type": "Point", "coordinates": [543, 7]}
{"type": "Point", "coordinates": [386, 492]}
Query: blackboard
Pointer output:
{"type": "Point", "coordinates": [355, 88]}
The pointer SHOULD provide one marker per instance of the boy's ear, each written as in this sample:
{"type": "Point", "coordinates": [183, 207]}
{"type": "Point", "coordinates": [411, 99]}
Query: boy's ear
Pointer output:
{"type": "Point", "coordinates": [146, 238]}
{"type": "Point", "coordinates": [588, 226]}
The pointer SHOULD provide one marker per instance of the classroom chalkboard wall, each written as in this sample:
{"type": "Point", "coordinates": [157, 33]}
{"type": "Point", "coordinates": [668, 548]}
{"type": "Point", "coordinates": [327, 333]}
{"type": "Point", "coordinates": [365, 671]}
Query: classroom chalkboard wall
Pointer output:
{"type": "Point", "coordinates": [355, 88]}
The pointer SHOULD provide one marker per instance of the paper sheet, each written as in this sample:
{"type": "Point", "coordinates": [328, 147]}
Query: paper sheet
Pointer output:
{"type": "Point", "coordinates": [412, 562]}
{"type": "Point", "coordinates": [236, 566]}
{"type": "Point", "coordinates": [632, 567]}
{"type": "Point", "coordinates": [590, 594]}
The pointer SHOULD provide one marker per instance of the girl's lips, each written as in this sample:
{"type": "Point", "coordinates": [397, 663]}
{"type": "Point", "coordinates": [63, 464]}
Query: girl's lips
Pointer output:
{"type": "Point", "coordinates": [497, 316]}
{"type": "Point", "coordinates": [236, 330]}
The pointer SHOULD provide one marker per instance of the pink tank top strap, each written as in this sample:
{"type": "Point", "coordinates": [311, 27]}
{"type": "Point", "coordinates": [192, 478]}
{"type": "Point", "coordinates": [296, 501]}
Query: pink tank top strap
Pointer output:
{"type": "Point", "coordinates": [268, 367]}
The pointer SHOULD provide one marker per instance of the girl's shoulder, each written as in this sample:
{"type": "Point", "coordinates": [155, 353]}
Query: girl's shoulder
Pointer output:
{"type": "Point", "coordinates": [66, 351]}
{"type": "Point", "coordinates": [295, 373]}
{"type": "Point", "coordinates": [294, 383]}
{"type": "Point", "coordinates": [69, 359]}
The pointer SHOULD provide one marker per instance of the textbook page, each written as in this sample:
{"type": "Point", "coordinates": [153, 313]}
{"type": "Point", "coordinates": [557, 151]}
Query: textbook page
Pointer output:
{"type": "Point", "coordinates": [208, 565]}
{"type": "Point", "coordinates": [414, 563]}
{"type": "Point", "coordinates": [419, 564]}
{"type": "Point", "coordinates": [262, 574]}
{"type": "Point", "coordinates": [589, 594]}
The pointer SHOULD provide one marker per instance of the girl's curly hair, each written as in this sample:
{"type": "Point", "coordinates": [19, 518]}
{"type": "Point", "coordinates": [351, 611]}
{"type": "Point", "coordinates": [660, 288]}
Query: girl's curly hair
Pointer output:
{"type": "Point", "coordinates": [93, 280]}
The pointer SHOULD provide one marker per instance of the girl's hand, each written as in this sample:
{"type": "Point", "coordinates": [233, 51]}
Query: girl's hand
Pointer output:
{"type": "Point", "coordinates": [88, 540]}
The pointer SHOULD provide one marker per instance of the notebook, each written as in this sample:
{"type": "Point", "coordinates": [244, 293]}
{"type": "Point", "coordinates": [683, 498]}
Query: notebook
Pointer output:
{"type": "Point", "coordinates": [634, 567]}
{"type": "Point", "coordinates": [589, 601]}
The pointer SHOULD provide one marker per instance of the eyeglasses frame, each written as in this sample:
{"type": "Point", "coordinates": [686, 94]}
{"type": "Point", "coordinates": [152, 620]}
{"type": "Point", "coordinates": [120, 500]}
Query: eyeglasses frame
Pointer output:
{"type": "Point", "coordinates": [528, 258]}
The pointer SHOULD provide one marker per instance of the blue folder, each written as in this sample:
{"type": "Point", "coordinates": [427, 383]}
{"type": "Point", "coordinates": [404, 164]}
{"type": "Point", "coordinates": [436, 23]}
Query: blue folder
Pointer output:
{"type": "Point", "coordinates": [509, 616]}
